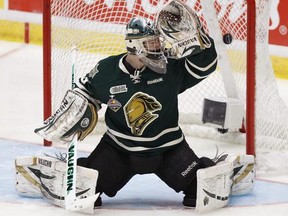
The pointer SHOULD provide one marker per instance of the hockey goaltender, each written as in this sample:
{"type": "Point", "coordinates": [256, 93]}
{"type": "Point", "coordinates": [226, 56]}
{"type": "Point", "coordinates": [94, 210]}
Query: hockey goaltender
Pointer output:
{"type": "Point", "coordinates": [140, 88]}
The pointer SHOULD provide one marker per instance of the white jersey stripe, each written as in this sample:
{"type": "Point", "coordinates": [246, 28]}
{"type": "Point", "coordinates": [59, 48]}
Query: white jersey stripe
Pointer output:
{"type": "Point", "coordinates": [198, 68]}
{"type": "Point", "coordinates": [141, 148]}
{"type": "Point", "coordinates": [142, 139]}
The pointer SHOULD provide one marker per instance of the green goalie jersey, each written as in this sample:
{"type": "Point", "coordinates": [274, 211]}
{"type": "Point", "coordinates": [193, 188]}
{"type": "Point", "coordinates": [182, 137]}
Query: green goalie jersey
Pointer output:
{"type": "Point", "coordinates": [142, 108]}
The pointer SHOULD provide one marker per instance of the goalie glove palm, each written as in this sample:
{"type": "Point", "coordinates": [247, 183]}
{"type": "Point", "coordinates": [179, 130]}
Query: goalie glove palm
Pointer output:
{"type": "Point", "coordinates": [181, 28]}
{"type": "Point", "coordinates": [76, 116]}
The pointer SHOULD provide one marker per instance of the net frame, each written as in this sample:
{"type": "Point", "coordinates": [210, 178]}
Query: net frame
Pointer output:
{"type": "Point", "coordinates": [252, 66]}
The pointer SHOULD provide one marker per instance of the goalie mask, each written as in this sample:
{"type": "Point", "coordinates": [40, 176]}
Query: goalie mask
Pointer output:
{"type": "Point", "coordinates": [144, 40]}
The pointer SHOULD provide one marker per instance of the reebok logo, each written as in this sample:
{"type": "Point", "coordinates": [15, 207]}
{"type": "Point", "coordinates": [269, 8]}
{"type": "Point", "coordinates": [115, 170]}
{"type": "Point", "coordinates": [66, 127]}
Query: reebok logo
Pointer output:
{"type": "Point", "coordinates": [149, 82]}
{"type": "Point", "coordinates": [189, 168]}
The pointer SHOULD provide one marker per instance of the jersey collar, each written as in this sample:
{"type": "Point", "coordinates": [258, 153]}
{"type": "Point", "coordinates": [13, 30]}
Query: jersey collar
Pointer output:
{"type": "Point", "coordinates": [123, 68]}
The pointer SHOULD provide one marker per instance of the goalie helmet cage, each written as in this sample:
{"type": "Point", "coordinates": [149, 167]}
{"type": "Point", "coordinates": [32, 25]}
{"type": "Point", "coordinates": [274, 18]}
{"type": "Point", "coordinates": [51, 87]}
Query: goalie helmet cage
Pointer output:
{"type": "Point", "coordinates": [97, 29]}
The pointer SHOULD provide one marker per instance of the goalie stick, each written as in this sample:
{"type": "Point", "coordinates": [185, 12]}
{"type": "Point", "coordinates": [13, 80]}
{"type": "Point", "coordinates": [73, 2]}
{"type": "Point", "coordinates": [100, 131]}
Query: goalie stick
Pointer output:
{"type": "Point", "coordinates": [72, 203]}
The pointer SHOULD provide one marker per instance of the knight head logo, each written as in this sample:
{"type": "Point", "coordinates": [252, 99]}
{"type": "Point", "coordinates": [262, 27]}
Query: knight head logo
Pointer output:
{"type": "Point", "coordinates": [139, 112]}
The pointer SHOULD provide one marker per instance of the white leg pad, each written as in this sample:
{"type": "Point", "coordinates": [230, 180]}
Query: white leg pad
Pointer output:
{"type": "Point", "coordinates": [45, 176]}
{"type": "Point", "coordinates": [27, 178]}
{"type": "Point", "coordinates": [244, 174]}
{"type": "Point", "coordinates": [214, 186]}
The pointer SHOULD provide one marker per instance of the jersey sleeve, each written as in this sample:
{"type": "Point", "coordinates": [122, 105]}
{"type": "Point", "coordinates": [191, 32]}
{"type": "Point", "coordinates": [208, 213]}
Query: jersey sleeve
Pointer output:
{"type": "Point", "coordinates": [85, 87]}
{"type": "Point", "coordinates": [97, 83]}
{"type": "Point", "coordinates": [196, 68]}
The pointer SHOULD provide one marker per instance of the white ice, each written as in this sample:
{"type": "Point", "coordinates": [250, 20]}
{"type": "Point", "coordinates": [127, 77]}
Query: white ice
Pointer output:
{"type": "Point", "coordinates": [21, 111]}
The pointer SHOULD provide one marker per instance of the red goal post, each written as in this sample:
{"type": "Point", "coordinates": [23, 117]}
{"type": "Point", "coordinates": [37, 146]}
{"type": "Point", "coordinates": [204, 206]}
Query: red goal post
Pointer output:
{"type": "Point", "coordinates": [97, 28]}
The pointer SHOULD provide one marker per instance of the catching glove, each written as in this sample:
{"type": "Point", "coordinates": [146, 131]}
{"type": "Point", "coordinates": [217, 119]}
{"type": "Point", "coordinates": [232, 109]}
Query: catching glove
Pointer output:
{"type": "Point", "coordinates": [182, 29]}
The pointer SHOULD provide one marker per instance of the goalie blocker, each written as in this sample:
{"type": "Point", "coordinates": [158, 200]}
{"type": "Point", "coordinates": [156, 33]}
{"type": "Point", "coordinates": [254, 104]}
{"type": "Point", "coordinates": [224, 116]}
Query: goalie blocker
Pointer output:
{"type": "Point", "coordinates": [76, 116]}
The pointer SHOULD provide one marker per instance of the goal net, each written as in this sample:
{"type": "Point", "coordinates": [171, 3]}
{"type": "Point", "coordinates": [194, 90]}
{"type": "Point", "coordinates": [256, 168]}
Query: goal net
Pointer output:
{"type": "Point", "coordinates": [96, 29]}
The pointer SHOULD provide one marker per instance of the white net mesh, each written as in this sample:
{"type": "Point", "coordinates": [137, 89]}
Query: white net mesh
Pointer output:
{"type": "Point", "coordinates": [271, 127]}
{"type": "Point", "coordinates": [97, 29]}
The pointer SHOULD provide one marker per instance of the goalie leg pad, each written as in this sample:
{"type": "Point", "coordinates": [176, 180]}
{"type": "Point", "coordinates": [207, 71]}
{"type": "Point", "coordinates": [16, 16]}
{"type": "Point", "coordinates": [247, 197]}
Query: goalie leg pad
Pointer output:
{"type": "Point", "coordinates": [214, 186]}
{"type": "Point", "coordinates": [27, 177]}
{"type": "Point", "coordinates": [45, 176]}
{"type": "Point", "coordinates": [243, 174]}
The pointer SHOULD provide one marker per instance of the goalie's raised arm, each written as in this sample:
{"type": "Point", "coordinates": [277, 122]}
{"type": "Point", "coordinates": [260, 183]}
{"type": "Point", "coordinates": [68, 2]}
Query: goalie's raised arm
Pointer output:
{"type": "Point", "coordinates": [182, 29]}
{"type": "Point", "coordinates": [75, 116]}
